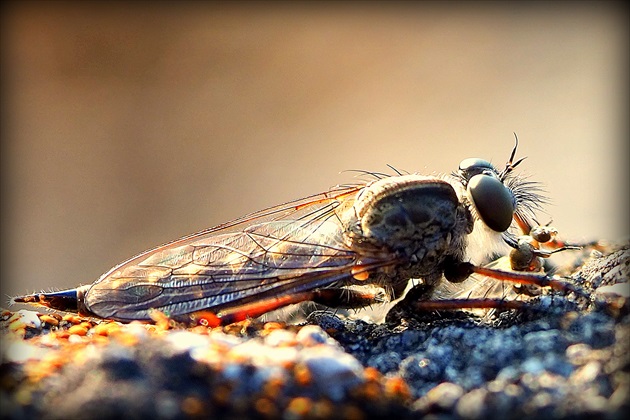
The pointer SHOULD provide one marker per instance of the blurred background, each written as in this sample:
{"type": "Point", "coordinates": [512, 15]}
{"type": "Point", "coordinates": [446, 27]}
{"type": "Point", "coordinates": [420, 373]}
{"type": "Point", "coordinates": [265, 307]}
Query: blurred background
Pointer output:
{"type": "Point", "coordinates": [127, 125]}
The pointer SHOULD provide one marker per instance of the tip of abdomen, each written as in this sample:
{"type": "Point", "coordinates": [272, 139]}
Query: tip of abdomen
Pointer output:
{"type": "Point", "coordinates": [65, 300]}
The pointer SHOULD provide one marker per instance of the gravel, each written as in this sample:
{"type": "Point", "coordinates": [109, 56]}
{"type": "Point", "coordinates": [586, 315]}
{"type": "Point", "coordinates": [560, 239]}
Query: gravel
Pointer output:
{"type": "Point", "coordinates": [561, 357]}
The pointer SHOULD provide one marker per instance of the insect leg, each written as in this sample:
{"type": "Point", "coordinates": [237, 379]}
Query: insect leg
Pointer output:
{"type": "Point", "coordinates": [333, 297]}
{"type": "Point", "coordinates": [421, 299]}
{"type": "Point", "coordinates": [249, 310]}
{"type": "Point", "coordinates": [347, 298]}
{"type": "Point", "coordinates": [546, 235]}
{"type": "Point", "coordinates": [455, 304]}
{"type": "Point", "coordinates": [540, 280]}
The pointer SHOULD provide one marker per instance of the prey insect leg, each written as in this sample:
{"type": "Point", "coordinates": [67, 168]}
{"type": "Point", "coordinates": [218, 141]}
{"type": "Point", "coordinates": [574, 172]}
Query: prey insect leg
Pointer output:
{"type": "Point", "coordinates": [545, 236]}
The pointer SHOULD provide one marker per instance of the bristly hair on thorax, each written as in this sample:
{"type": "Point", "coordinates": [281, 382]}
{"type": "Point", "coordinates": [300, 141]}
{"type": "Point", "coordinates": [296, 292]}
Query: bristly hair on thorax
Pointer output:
{"type": "Point", "coordinates": [529, 195]}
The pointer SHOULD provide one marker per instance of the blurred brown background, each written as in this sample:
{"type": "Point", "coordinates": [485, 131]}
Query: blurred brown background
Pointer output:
{"type": "Point", "coordinates": [128, 125]}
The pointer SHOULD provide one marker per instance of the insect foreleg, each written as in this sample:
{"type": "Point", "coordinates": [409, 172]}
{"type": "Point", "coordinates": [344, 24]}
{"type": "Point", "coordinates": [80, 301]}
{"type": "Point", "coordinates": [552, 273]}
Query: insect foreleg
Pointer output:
{"type": "Point", "coordinates": [541, 280]}
{"type": "Point", "coordinates": [420, 298]}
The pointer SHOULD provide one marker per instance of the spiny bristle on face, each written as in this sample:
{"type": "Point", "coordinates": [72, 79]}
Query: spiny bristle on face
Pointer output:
{"type": "Point", "coordinates": [529, 196]}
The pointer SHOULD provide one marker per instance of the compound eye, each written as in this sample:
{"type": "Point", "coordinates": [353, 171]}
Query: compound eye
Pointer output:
{"type": "Point", "coordinates": [475, 166]}
{"type": "Point", "coordinates": [470, 163]}
{"type": "Point", "coordinates": [493, 200]}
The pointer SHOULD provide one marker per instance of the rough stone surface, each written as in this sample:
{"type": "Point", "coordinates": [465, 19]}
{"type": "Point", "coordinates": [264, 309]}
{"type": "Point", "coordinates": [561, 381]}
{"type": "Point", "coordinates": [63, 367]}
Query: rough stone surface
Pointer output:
{"type": "Point", "coordinates": [561, 357]}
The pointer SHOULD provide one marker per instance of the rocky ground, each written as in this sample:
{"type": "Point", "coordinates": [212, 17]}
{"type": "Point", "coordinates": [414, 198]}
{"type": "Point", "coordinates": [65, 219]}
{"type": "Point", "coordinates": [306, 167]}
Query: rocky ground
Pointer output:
{"type": "Point", "coordinates": [562, 357]}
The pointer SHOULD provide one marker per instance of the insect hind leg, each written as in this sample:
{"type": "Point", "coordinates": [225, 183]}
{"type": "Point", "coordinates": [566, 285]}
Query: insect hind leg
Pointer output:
{"type": "Point", "coordinates": [349, 298]}
{"type": "Point", "coordinates": [331, 297]}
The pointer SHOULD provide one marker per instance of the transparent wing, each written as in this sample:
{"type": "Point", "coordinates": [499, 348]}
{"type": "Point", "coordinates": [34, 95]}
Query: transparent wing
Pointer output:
{"type": "Point", "coordinates": [286, 249]}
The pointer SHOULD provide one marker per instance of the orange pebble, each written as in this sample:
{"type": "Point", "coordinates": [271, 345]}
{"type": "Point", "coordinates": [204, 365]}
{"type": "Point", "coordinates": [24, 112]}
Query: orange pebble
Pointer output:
{"type": "Point", "coordinates": [397, 387]}
{"type": "Point", "coordinates": [273, 387]}
{"type": "Point", "coordinates": [199, 329]}
{"type": "Point", "coordinates": [270, 326]}
{"type": "Point", "coordinates": [266, 408]}
{"type": "Point", "coordinates": [372, 391]}
{"type": "Point", "coordinates": [300, 406]}
{"type": "Point", "coordinates": [105, 328]}
{"type": "Point", "coordinates": [16, 326]}
{"type": "Point", "coordinates": [62, 334]}
{"type": "Point", "coordinates": [352, 412]}
{"type": "Point", "coordinates": [49, 320]}
{"type": "Point", "coordinates": [221, 395]}
{"type": "Point", "coordinates": [323, 409]}
{"type": "Point", "coordinates": [372, 374]}
{"type": "Point", "coordinates": [302, 374]}
{"type": "Point", "coordinates": [72, 318]}
{"type": "Point", "coordinates": [78, 330]}
{"type": "Point", "coordinates": [192, 406]}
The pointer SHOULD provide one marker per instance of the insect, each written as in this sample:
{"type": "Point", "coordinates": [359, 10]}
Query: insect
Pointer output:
{"type": "Point", "coordinates": [323, 248]}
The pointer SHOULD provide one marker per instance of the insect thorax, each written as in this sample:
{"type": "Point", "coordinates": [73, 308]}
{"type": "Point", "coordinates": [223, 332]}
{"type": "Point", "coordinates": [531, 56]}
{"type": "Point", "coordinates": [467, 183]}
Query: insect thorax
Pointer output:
{"type": "Point", "coordinates": [416, 218]}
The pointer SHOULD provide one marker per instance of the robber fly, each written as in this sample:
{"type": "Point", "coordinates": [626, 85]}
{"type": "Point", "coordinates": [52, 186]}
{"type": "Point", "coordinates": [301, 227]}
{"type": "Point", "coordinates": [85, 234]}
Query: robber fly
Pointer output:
{"type": "Point", "coordinates": [320, 248]}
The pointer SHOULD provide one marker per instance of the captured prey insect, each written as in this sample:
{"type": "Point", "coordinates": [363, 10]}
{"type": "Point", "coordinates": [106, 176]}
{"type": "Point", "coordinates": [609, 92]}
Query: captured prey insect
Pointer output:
{"type": "Point", "coordinates": [323, 248]}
